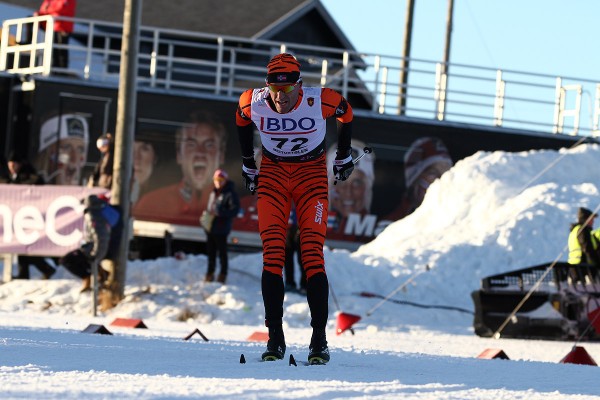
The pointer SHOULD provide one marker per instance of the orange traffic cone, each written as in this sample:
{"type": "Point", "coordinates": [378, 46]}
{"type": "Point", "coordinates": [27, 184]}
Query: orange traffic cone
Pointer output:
{"type": "Point", "coordinates": [578, 355]}
{"type": "Point", "coordinates": [345, 322]}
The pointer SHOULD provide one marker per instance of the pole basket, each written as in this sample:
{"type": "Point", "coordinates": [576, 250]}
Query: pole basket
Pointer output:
{"type": "Point", "coordinates": [345, 322]}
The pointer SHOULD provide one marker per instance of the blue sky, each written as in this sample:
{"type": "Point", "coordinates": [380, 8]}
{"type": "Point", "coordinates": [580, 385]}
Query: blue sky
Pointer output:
{"type": "Point", "coordinates": [554, 37]}
{"type": "Point", "coordinates": [543, 36]}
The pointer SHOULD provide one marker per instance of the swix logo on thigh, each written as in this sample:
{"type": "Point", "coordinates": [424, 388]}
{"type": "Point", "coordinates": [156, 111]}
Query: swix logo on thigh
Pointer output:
{"type": "Point", "coordinates": [319, 212]}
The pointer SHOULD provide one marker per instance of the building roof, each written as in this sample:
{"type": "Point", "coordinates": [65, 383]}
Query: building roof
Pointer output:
{"type": "Point", "coordinates": [256, 19]}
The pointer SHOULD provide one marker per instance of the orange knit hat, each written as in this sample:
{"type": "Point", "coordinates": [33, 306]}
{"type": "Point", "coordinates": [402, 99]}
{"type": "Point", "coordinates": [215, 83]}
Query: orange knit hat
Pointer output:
{"type": "Point", "coordinates": [283, 68]}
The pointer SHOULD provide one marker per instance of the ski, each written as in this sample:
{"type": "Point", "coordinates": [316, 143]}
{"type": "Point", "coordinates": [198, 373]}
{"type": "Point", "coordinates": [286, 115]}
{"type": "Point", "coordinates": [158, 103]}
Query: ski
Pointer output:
{"type": "Point", "coordinates": [291, 361]}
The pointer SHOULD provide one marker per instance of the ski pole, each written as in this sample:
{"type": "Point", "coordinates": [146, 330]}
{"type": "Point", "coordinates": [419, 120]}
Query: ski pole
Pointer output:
{"type": "Point", "coordinates": [366, 150]}
{"type": "Point", "coordinates": [402, 286]}
{"type": "Point", "coordinates": [337, 305]}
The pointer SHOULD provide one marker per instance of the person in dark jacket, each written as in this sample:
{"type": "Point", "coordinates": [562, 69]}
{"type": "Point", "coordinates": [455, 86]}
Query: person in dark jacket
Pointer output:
{"type": "Point", "coordinates": [21, 172]}
{"type": "Point", "coordinates": [223, 206]}
{"type": "Point", "coordinates": [97, 233]}
{"type": "Point", "coordinates": [103, 171]}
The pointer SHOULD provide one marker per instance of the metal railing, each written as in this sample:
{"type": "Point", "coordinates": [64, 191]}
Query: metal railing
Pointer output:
{"type": "Point", "coordinates": [226, 65]}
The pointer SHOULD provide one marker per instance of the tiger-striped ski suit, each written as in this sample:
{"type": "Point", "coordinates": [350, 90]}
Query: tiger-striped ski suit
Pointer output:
{"type": "Point", "coordinates": [293, 168]}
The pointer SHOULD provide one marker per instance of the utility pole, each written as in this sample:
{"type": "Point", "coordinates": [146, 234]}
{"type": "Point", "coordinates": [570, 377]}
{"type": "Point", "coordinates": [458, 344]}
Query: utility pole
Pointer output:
{"type": "Point", "coordinates": [446, 61]}
{"type": "Point", "coordinates": [123, 162]}
{"type": "Point", "coordinates": [448, 41]}
{"type": "Point", "coordinates": [404, 63]}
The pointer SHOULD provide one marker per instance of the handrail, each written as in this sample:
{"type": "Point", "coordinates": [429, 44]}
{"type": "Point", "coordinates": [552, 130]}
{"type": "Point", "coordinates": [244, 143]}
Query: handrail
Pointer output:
{"type": "Point", "coordinates": [171, 59]}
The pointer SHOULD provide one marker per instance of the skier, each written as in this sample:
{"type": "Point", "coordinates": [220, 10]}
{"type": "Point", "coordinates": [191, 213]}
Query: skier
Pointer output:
{"type": "Point", "coordinates": [291, 122]}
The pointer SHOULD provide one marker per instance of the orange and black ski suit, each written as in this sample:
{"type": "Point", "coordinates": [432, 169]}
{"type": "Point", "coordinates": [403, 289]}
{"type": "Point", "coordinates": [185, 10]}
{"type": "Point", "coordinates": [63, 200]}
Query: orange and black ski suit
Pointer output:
{"type": "Point", "coordinates": [293, 168]}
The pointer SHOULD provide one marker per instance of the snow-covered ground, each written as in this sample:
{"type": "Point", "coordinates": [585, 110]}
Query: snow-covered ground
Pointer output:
{"type": "Point", "coordinates": [491, 213]}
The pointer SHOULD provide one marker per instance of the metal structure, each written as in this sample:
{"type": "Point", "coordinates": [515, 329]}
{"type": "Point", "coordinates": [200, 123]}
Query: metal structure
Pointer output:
{"type": "Point", "coordinates": [563, 300]}
{"type": "Point", "coordinates": [174, 60]}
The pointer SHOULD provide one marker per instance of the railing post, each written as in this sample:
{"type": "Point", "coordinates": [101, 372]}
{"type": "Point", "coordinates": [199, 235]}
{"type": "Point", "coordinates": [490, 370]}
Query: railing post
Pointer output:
{"type": "Point", "coordinates": [376, 66]}
{"type": "Point", "coordinates": [596, 122]}
{"type": "Point", "coordinates": [48, 46]}
{"type": "Point", "coordinates": [230, 81]}
{"type": "Point", "coordinates": [153, 58]}
{"type": "Point", "coordinates": [219, 72]}
{"type": "Point", "coordinates": [563, 112]}
{"type": "Point", "coordinates": [382, 95]}
{"type": "Point", "coordinates": [499, 99]}
{"type": "Point", "coordinates": [106, 56]}
{"type": "Point", "coordinates": [440, 92]}
{"type": "Point", "coordinates": [88, 51]}
{"type": "Point", "coordinates": [3, 46]}
{"type": "Point", "coordinates": [576, 111]}
{"type": "Point", "coordinates": [346, 74]}
{"type": "Point", "coordinates": [169, 69]}
{"type": "Point", "coordinates": [557, 106]}
{"type": "Point", "coordinates": [324, 72]}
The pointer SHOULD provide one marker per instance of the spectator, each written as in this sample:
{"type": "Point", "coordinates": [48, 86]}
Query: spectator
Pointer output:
{"type": "Point", "coordinates": [21, 172]}
{"type": "Point", "coordinates": [77, 262]}
{"type": "Point", "coordinates": [63, 146]}
{"type": "Point", "coordinates": [200, 148]}
{"type": "Point", "coordinates": [583, 245]}
{"type": "Point", "coordinates": [223, 206]}
{"type": "Point", "coordinates": [103, 171]}
{"type": "Point", "coordinates": [62, 27]}
{"type": "Point", "coordinates": [4, 174]}
{"type": "Point", "coordinates": [97, 235]}
{"type": "Point", "coordinates": [292, 246]}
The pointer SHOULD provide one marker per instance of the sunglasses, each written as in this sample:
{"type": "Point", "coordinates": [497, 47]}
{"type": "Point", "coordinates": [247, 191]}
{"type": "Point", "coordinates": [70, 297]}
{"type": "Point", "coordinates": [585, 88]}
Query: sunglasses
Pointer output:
{"type": "Point", "coordinates": [283, 88]}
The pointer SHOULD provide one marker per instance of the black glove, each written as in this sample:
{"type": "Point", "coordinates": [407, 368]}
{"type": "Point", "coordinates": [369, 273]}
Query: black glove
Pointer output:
{"type": "Point", "coordinates": [342, 165]}
{"type": "Point", "coordinates": [250, 174]}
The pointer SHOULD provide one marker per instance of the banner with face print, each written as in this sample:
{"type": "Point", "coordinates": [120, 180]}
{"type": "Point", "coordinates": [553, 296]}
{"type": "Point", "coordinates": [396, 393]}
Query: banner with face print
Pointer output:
{"type": "Point", "coordinates": [180, 141]}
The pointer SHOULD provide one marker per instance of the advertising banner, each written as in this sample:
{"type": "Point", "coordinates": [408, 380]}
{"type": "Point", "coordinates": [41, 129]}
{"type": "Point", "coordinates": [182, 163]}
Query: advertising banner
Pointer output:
{"type": "Point", "coordinates": [41, 220]}
{"type": "Point", "coordinates": [181, 140]}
